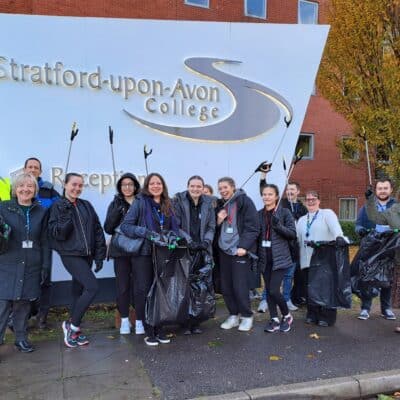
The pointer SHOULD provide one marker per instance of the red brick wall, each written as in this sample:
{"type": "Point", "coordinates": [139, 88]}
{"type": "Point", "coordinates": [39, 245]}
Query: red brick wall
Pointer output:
{"type": "Point", "coordinates": [327, 173]}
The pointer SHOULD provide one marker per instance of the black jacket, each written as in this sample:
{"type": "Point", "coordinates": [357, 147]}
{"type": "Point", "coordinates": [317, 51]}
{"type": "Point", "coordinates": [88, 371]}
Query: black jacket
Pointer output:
{"type": "Point", "coordinates": [207, 225]}
{"type": "Point", "coordinates": [247, 222]}
{"type": "Point", "coordinates": [281, 235]}
{"type": "Point", "coordinates": [116, 212]}
{"type": "Point", "coordinates": [20, 269]}
{"type": "Point", "coordinates": [76, 230]}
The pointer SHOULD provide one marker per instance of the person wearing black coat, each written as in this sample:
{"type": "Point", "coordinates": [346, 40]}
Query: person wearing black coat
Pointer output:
{"type": "Point", "coordinates": [277, 230]}
{"type": "Point", "coordinates": [24, 261]}
{"type": "Point", "coordinates": [127, 188]}
{"type": "Point", "coordinates": [196, 216]}
{"type": "Point", "coordinates": [237, 233]}
{"type": "Point", "coordinates": [77, 236]}
{"type": "Point", "coordinates": [150, 214]}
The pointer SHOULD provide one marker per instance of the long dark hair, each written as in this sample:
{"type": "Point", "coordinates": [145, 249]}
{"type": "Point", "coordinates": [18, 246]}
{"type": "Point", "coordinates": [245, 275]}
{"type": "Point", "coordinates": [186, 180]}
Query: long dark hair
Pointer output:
{"type": "Point", "coordinates": [165, 201]}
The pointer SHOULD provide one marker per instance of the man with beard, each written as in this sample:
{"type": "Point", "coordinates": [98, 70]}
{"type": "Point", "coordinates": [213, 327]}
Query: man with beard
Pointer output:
{"type": "Point", "coordinates": [383, 191]}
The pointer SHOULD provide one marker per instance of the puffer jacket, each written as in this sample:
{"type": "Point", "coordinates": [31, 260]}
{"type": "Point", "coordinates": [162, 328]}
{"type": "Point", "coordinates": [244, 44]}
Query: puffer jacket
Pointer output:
{"type": "Point", "coordinates": [75, 230]}
{"type": "Point", "coordinates": [281, 236]}
{"type": "Point", "coordinates": [20, 269]}
{"type": "Point", "coordinates": [116, 212]}
{"type": "Point", "coordinates": [207, 221]}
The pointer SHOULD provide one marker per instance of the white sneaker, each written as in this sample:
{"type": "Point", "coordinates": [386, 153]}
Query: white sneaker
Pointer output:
{"type": "Point", "coordinates": [263, 306]}
{"type": "Point", "coordinates": [139, 328]}
{"type": "Point", "coordinates": [231, 322]}
{"type": "Point", "coordinates": [245, 324]}
{"type": "Point", "coordinates": [291, 306]}
{"type": "Point", "coordinates": [125, 328]}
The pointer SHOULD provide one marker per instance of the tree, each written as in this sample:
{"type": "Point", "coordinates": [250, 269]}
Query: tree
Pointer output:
{"type": "Point", "coordinates": [360, 75]}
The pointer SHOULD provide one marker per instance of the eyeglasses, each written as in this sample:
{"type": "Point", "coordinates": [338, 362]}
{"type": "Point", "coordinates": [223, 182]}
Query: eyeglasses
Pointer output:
{"type": "Point", "coordinates": [128, 185]}
{"type": "Point", "coordinates": [312, 199]}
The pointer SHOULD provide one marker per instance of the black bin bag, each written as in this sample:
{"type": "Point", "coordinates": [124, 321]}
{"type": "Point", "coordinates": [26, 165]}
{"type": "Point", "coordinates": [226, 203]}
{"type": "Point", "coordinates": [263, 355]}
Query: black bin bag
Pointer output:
{"type": "Point", "coordinates": [168, 299]}
{"type": "Point", "coordinates": [372, 266]}
{"type": "Point", "coordinates": [329, 283]}
{"type": "Point", "coordinates": [202, 296]}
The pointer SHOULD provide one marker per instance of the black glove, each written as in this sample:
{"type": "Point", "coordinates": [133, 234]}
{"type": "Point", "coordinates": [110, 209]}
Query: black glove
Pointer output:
{"type": "Point", "coordinates": [99, 265]}
{"type": "Point", "coordinates": [153, 236]}
{"type": "Point", "coordinates": [363, 232]}
{"type": "Point", "coordinates": [312, 244]}
{"type": "Point", "coordinates": [368, 192]}
{"type": "Point", "coordinates": [5, 230]}
{"type": "Point", "coordinates": [341, 242]}
{"type": "Point", "coordinates": [263, 167]}
{"type": "Point", "coordinates": [275, 221]}
{"type": "Point", "coordinates": [44, 276]}
{"type": "Point", "coordinates": [119, 204]}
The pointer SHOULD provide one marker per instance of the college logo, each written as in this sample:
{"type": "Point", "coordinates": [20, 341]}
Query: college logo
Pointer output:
{"type": "Point", "coordinates": [256, 110]}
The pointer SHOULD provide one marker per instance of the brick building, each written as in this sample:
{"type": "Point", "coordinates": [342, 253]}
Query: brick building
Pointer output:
{"type": "Point", "coordinates": [341, 185]}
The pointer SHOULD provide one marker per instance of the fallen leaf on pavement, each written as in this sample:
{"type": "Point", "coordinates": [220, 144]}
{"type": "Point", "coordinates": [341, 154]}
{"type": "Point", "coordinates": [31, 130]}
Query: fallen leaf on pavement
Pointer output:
{"type": "Point", "coordinates": [310, 355]}
{"type": "Point", "coordinates": [275, 358]}
{"type": "Point", "coordinates": [314, 336]}
{"type": "Point", "coordinates": [110, 337]}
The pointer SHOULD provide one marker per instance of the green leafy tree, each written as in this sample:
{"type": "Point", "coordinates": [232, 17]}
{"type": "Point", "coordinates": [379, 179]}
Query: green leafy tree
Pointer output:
{"type": "Point", "coordinates": [360, 75]}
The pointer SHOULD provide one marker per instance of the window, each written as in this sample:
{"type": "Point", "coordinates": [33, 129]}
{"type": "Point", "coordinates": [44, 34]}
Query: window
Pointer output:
{"type": "Point", "coordinates": [306, 145]}
{"type": "Point", "coordinates": [255, 8]}
{"type": "Point", "coordinates": [347, 209]}
{"type": "Point", "coordinates": [348, 149]}
{"type": "Point", "coordinates": [198, 3]}
{"type": "Point", "coordinates": [308, 12]}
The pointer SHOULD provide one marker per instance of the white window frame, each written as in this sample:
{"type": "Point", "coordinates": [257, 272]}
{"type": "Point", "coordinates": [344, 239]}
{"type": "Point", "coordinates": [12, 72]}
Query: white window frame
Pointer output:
{"type": "Point", "coordinates": [255, 16]}
{"type": "Point", "coordinates": [312, 146]}
{"type": "Point", "coordinates": [311, 2]}
{"type": "Point", "coordinates": [189, 3]}
{"type": "Point", "coordinates": [355, 208]}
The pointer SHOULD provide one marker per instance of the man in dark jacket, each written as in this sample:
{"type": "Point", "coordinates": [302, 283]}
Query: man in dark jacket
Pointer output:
{"type": "Point", "coordinates": [383, 201]}
{"type": "Point", "coordinates": [46, 196]}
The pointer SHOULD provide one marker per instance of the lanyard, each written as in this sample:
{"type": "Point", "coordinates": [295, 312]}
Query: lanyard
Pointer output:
{"type": "Point", "coordinates": [160, 217]}
{"type": "Point", "coordinates": [268, 223]}
{"type": "Point", "coordinates": [310, 223]}
{"type": "Point", "coordinates": [381, 207]}
{"type": "Point", "coordinates": [231, 210]}
{"type": "Point", "coordinates": [28, 222]}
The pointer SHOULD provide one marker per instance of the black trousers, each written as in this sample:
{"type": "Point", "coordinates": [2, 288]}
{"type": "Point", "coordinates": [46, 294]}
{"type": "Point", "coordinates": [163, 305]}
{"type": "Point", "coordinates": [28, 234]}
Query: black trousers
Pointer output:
{"type": "Point", "coordinates": [84, 285]}
{"type": "Point", "coordinates": [235, 288]}
{"type": "Point", "coordinates": [273, 281]}
{"type": "Point", "coordinates": [124, 275]}
{"type": "Point", "coordinates": [142, 280]}
{"type": "Point", "coordinates": [20, 310]}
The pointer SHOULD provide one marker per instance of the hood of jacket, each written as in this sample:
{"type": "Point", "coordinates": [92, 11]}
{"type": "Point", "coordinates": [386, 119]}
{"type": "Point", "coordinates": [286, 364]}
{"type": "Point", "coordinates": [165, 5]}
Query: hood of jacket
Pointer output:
{"type": "Point", "coordinates": [135, 182]}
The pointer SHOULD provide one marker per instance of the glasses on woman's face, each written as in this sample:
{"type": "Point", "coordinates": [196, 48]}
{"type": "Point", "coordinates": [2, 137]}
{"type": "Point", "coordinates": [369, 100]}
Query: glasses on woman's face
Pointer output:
{"type": "Point", "coordinates": [127, 185]}
{"type": "Point", "coordinates": [311, 199]}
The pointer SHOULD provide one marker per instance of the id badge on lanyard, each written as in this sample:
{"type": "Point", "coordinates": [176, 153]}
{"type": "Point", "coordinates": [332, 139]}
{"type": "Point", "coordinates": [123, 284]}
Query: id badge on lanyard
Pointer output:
{"type": "Point", "coordinates": [27, 244]}
{"type": "Point", "coordinates": [266, 243]}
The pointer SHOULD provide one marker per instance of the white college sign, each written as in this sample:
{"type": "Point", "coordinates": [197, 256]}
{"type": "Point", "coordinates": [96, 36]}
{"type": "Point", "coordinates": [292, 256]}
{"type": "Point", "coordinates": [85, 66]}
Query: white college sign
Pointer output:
{"type": "Point", "coordinates": [209, 98]}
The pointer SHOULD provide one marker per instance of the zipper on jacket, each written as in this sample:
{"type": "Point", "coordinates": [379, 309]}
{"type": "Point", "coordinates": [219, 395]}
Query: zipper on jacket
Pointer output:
{"type": "Point", "coordinates": [83, 231]}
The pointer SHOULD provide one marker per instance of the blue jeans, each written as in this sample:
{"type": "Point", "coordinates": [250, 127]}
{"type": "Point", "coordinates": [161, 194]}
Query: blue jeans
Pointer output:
{"type": "Point", "coordinates": [286, 285]}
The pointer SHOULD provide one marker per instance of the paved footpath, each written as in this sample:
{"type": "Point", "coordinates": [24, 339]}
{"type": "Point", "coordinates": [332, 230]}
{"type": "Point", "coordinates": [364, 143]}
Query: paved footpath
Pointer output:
{"type": "Point", "coordinates": [216, 362]}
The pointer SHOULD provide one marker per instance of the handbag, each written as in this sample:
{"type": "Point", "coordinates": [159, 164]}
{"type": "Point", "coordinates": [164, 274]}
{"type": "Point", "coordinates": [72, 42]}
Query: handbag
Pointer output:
{"type": "Point", "coordinates": [126, 244]}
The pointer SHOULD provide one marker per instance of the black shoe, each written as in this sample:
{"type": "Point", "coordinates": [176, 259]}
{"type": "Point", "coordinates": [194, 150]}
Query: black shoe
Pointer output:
{"type": "Point", "coordinates": [310, 321]}
{"type": "Point", "coordinates": [24, 346]}
{"type": "Point", "coordinates": [151, 341]}
{"type": "Point", "coordinates": [196, 330]}
{"type": "Point", "coordinates": [163, 338]}
{"type": "Point", "coordinates": [324, 324]}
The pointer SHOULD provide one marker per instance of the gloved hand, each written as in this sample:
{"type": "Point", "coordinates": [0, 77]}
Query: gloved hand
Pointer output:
{"type": "Point", "coordinates": [368, 192]}
{"type": "Point", "coordinates": [119, 203]}
{"type": "Point", "coordinates": [5, 229]}
{"type": "Point", "coordinates": [44, 275]}
{"type": "Point", "coordinates": [341, 242]}
{"type": "Point", "coordinates": [99, 265]}
{"type": "Point", "coordinates": [263, 167]}
{"type": "Point", "coordinates": [363, 232]}
{"type": "Point", "coordinates": [151, 235]}
{"type": "Point", "coordinates": [312, 243]}
{"type": "Point", "coordinates": [275, 221]}
{"type": "Point", "coordinates": [198, 246]}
